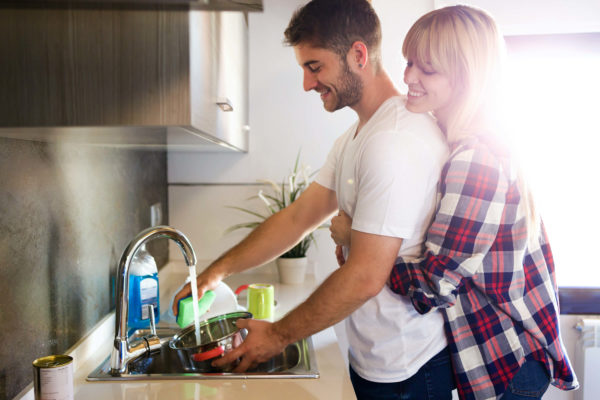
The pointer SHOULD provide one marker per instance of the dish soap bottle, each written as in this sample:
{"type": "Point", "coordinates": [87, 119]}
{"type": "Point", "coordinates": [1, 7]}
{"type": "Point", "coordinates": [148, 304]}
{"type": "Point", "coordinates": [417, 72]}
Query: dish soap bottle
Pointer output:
{"type": "Point", "coordinates": [143, 289]}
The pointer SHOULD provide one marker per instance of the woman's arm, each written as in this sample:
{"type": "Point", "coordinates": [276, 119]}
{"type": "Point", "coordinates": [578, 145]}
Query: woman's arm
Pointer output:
{"type": "Point", "coordinates": [341, 228]}
{"type": "Point", "coordinates": [473, 197]}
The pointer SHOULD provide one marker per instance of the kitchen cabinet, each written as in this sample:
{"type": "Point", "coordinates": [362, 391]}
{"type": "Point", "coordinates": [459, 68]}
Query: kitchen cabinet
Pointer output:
{"type": "Point", "coordinates": [122, 70]}
{"type": "Point", "coordinates": [223, 5]}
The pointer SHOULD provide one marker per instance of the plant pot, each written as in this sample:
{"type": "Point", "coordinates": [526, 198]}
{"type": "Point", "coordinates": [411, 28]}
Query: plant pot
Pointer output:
{"type": "Point", "coordinates": [292, 270]}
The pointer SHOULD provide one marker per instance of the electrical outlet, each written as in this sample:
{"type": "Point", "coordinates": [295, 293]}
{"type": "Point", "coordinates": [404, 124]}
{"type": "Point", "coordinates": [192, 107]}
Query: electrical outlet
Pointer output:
{"type": "Point", "coordinates": [155, 214]}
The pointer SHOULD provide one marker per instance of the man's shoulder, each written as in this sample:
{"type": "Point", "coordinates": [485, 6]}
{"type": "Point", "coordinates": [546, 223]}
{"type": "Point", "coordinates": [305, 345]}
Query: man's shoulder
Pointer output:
{"type": "Point", "coordinates": [395, 116]}
{"type": "Point", "coordinates": [416, 131]}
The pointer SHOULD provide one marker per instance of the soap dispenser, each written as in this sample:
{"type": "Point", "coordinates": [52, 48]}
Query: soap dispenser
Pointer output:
{"type": "Point", "coordinates": [143, 289]}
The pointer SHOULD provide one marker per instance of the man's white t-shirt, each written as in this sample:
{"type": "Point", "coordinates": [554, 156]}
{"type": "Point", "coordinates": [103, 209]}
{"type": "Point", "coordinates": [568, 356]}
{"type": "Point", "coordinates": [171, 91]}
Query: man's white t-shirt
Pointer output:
{"type": "Point", "coordinates": [385, 179]}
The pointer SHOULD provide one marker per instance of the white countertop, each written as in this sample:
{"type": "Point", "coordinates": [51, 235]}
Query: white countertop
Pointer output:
{"type": "Point", "coordinates": [334, 382]}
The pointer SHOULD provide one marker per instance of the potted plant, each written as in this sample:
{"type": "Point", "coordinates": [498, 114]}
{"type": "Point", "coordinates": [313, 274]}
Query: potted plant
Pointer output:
{"type": "Point", "coordinates": [291, 264]}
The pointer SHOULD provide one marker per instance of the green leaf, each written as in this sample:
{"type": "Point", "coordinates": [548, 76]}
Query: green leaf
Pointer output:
{"type": "Point", "coordinates": [297, 160]}
{"type": "Point", "coordinates": [283, 203]}
{"type": "Point", "coordinates": [277, 202]}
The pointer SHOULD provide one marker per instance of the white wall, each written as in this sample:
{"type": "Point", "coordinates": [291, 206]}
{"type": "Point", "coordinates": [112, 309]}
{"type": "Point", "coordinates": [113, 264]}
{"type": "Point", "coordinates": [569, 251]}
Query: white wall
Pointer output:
{"type": "Point", "coordinates": [518, 17]}
{"type": "Point", "coordinates": [283, 119]}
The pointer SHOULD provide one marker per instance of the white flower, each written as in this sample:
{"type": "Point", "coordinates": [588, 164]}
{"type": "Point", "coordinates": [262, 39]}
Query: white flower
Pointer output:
{"type": "Point", "coordinates": [274, 186]}
{"type": "Point", "coordinates": [304, 170]}
{"type": "Point", "coordinates": [263, 198]}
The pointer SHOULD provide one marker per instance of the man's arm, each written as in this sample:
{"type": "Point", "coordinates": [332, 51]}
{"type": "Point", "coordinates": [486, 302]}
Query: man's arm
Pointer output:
{"type": "Point", "coordinates": [277, 234]}
{"type": "Point", "coordinates": [363, 276]}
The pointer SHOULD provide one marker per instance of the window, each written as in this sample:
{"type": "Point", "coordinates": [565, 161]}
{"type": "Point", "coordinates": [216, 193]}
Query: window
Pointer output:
{"type": "Point", "coordinates": [554, 98]}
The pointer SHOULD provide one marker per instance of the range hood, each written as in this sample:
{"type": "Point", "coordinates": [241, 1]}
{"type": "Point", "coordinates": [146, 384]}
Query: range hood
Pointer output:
{"type": "Point", "coordinates": [210, 5]}
{"type": "Point", "coordinates": [146, 78]}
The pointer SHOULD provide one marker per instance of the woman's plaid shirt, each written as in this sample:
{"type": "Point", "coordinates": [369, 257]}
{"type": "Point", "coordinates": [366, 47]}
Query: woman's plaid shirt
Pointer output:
{"type": "Point", "coordinates": [498, 292]}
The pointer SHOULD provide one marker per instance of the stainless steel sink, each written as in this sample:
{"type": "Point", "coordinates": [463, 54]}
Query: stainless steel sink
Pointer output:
{"type": "Point", "coordinates": [297, 361]}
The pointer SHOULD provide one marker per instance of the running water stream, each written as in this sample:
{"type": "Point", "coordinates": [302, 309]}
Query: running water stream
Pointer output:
{"type": "Point", "coordinates": [195, 303]}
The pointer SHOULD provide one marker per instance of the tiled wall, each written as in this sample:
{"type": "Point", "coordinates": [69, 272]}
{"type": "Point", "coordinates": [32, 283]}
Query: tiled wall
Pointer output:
{"type": "Point", "coordinates": [67, 211]}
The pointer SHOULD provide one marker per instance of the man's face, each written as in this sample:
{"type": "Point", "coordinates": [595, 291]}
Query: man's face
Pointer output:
{"type": "Point", "coordinates": [326, 74]}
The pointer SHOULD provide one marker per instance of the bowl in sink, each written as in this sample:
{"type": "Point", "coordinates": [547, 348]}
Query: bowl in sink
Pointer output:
{"type": "Point", "coordinates": [298, 360]}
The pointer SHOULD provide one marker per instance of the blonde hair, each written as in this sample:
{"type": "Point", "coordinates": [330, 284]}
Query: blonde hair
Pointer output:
{"type": "Point", "coordinates": [464, 44]}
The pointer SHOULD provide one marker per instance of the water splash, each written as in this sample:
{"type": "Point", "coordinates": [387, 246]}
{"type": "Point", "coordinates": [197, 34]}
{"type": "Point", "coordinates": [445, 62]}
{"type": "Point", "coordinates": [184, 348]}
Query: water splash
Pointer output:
{"type": "Point", "coordinates": [195, 303]}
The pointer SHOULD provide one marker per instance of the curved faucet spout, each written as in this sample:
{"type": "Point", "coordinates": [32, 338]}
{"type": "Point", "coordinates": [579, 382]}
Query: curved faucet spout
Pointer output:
{"type": "Point", "coordinates": [121, 352]}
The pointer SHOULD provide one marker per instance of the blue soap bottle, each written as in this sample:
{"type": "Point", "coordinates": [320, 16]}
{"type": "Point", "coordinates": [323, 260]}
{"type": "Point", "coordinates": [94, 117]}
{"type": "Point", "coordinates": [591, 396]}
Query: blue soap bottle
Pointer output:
{"type": "Point", "coordinates": [143, 289]}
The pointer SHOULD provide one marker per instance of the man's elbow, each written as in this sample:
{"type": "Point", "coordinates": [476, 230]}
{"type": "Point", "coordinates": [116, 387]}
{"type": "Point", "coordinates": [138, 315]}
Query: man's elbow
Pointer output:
{"type": "Point", "coordinates": [371, 287]}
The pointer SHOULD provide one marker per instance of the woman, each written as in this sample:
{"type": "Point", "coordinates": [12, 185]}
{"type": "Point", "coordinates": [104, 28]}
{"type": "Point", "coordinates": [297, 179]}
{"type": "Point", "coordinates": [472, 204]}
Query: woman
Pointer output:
{"type": "Point", "coordinates": [487, 261]}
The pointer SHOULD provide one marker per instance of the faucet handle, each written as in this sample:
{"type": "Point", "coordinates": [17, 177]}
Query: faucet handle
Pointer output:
{"type": "Point", "coordinates": [153, 342]}
{"type": "Point", "coordinates": [150, 308]}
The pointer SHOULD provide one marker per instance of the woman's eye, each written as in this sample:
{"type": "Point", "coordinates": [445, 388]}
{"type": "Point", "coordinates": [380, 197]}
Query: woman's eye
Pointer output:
{"type": "Point", "coordinates": [425, 71]}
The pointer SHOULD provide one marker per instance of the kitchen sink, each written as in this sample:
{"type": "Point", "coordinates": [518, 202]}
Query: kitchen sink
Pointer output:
{"type": "Point", "coordinates": [296, 361]}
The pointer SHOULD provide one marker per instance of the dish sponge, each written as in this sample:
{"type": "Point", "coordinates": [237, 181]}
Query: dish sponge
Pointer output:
{"type": "Point", "coordinates": [186, 309]}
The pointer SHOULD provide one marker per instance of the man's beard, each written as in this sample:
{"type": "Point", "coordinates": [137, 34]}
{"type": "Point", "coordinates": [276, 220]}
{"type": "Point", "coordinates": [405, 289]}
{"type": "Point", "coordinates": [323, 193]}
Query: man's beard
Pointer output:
{"type": "Point", "coordinates": [349, 88]}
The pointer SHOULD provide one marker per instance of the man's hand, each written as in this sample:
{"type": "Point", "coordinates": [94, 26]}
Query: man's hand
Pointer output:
{"type": "Point", "coordinates": [207, 280]}
{"type": "Point", "coordinates": [262, 343]}
{"type": "Point", "coordinates": [340, 228]}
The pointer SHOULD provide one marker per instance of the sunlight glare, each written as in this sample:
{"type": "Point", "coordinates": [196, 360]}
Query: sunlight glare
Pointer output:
{"type": "Point", "coordinates": [553, 103]}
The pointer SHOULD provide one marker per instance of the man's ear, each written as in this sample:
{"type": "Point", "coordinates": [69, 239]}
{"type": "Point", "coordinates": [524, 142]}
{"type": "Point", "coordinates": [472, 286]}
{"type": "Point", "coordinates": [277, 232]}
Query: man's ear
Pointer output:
{"type": "Point", "coordinates": [358, 55]}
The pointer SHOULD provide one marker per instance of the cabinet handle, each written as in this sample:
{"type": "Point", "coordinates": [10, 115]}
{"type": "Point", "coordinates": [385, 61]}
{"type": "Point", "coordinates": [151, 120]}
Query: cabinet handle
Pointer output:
{"type": "Point", "coordinates": [225, 104]}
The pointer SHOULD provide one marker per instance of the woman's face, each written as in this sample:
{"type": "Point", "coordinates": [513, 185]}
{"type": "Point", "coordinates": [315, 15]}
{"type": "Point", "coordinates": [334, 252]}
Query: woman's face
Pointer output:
{"type": "Point", "coordinates": [428, 90]}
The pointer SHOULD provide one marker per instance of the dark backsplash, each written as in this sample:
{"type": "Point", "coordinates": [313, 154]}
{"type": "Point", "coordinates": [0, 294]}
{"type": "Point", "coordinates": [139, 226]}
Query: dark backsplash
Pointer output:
{"type": "Point", "coordinates": [67, 212]}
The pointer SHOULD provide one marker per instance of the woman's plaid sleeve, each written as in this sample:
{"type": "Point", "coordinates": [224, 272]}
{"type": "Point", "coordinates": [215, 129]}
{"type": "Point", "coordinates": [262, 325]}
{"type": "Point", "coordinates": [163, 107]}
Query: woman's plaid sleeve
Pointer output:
{"type": "Point", "coordinates": [472, 199]}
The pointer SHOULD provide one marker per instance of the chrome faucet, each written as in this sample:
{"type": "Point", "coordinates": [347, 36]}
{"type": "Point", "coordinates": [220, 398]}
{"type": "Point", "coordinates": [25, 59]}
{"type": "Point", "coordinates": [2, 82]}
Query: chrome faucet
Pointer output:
{"type": "Point", "coordinates": [122, 352]}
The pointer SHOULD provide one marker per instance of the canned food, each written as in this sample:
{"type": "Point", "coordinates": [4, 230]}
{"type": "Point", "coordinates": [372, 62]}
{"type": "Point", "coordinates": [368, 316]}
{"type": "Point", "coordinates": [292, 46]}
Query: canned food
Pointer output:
{"type": "Point", "coordinates": [53, 378]}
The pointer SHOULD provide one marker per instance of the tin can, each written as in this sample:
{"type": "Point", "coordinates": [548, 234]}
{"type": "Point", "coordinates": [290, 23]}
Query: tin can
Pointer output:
{"type": "Point", "coordinates": [53, 378]}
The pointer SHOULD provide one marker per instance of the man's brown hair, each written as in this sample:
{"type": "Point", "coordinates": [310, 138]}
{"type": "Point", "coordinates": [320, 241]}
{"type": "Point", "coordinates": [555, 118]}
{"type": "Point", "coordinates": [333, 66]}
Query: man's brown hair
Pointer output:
{"type": "Point", "coordinates": [335, 25]}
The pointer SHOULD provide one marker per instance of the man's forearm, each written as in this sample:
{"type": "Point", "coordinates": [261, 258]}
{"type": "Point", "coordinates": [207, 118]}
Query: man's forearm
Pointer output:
{"type": "Point", "coordinates": [280, 232]}
{"type": "Point", "coordinates": [273, 237]}
{"type": "Point", "coordinates": [363, 276]}
{"type": "Point", "coordinates": [337, 297]}
{"type": "Point", "coordinates": [263, 244]}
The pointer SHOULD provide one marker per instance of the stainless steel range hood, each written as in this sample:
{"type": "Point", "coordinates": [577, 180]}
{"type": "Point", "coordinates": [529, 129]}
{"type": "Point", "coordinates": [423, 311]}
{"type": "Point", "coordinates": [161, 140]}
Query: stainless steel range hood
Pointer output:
{"type": "Point", "coordinates": [210, 5]}
{"type": "Point", "coordinates": [127, 77]}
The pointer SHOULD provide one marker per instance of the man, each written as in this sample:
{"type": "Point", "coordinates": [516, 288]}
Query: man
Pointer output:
{"type": "Point", "coordinates": [383, 173]}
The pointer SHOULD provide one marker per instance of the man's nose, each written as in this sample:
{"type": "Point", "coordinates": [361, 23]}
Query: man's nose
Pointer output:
{"type": "Point", "coordinates": [310, 82]}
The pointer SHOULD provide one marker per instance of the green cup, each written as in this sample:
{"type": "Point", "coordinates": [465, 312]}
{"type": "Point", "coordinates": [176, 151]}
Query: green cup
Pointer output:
{"type": "Point", "coordinates": [261, 301]}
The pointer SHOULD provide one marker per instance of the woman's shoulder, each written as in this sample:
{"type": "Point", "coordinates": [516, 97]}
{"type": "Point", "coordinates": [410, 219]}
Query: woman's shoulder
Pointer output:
{"type": "Point", "coordinates": [473, 158]}
{"type": "Point", "coordinates": [477, 150]}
